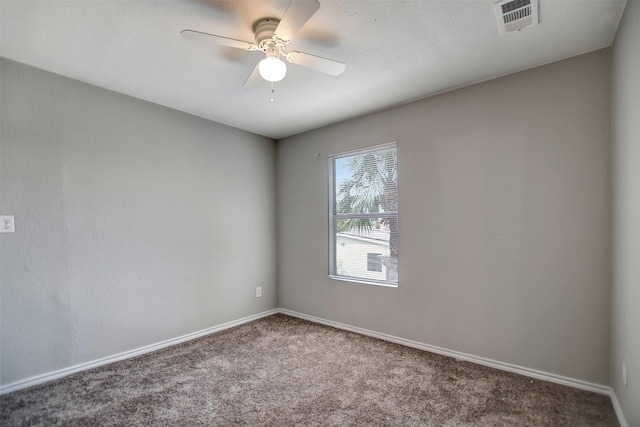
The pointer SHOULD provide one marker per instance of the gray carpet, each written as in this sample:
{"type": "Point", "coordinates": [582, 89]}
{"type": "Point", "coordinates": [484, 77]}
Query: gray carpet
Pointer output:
{"type": "Point", "coordinates": [282, 371]}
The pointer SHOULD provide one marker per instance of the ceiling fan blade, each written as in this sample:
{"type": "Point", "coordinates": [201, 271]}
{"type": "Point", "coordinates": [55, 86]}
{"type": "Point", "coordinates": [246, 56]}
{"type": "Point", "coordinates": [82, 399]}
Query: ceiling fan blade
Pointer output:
{"type": "Point", "coordinates": [217, 40]}
{"type": "Point", "coordinates": [253, 80]}
{"type": "Point", "coordinates": [317, 63]}
{"type": "Point", "coordinates": [296, 15]}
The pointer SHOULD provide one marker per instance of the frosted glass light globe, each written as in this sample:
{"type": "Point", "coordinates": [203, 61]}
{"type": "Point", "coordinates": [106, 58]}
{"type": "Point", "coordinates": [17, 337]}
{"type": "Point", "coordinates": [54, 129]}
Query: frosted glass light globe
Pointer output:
{"type": "Point", "coordinates": [272, 69]}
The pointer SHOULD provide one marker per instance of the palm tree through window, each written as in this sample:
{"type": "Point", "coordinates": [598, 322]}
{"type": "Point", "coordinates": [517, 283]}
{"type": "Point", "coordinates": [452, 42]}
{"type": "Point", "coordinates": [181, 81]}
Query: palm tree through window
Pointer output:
{"type": "Point", "coordinates": [363, 215]}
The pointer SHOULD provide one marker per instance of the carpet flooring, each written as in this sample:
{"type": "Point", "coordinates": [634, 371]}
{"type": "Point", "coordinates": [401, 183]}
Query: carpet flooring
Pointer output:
{"type": "Point", "coordinates": [283, 371]}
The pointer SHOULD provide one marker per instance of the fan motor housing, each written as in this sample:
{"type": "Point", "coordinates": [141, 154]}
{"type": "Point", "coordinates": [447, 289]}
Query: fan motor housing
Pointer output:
{"type": "Point", "coordinates": [264, 31]}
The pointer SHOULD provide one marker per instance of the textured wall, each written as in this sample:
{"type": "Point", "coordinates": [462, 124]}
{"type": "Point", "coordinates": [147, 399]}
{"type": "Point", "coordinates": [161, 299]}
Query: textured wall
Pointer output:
{"type": "Point", "coordinates": [134, 223]}
{"type": "Point", "coordinates": [625, 339]}
{"type": "Point", "coordinates": [505, 220]}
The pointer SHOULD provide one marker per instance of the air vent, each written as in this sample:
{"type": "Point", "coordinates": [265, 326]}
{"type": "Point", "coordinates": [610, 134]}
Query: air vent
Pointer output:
{"type": "Point", "coordinates": [514, 15]}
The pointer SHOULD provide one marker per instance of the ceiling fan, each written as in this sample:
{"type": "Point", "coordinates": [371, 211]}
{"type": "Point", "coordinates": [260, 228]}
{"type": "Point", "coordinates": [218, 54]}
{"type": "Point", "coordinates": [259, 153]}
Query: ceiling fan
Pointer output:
{"type": "Point", "coordinates": [271, 38]}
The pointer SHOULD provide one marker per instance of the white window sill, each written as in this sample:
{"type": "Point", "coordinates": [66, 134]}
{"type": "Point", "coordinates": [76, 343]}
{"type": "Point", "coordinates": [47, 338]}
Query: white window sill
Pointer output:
{"type": "Point", "coordinates": [363, 281]}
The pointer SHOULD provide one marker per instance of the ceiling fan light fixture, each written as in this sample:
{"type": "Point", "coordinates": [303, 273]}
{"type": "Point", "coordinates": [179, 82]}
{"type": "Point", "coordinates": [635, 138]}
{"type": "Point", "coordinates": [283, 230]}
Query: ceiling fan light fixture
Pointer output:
{"type": "Point", "coordinates": [272, 69]}
{"type": "Point", "coordinates": [271, 37]}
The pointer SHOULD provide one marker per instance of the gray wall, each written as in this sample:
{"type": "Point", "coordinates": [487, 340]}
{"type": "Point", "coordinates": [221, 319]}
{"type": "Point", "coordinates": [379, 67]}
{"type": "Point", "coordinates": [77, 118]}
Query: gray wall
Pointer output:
{"type": "Point", "coordinates": [134, 223]}
{"type": "Point", "coordinates": [505, 220]}
{"type": "Point", "coordinates": [625, 338]}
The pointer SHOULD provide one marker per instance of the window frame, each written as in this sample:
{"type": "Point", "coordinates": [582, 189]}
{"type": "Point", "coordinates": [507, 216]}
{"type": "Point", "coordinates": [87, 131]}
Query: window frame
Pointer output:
{"type": "Point", "coordinates": [332, 216]}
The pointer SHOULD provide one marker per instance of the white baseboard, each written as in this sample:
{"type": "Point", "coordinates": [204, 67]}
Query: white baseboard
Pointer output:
{"type": "Point", "coordinates": [49, 376]}
{"type": "Point", "coordinates": [616, 405]}
{"type": "Point", "coordinates": [533, 373]}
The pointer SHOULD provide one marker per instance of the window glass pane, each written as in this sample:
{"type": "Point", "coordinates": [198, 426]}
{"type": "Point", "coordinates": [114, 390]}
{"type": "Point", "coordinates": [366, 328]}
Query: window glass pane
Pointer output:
{"type": "Point", "coordinates": [367, 182]}
{"type": "Point", "coordinates": [364, 221]}
{"type": "Point", "coordinates": [354, 253]}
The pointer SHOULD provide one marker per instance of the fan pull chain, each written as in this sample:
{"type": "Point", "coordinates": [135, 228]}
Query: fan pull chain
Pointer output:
{"type": "Point", "coordinates": [272, 91]}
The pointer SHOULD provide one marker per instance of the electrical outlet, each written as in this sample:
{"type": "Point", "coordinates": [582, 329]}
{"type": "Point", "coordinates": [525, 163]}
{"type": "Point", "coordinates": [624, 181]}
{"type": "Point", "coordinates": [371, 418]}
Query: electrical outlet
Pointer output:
{"type": "Point", "coordinates": [624, 373]}
{"type": "Point", "coordinates": [258, 292]}
{"type": "Point", "coordinates": [7, 224]}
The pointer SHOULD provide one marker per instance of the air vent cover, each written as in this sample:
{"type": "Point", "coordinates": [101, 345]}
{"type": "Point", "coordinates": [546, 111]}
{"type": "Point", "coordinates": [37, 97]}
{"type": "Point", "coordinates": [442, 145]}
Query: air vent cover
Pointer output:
{"type": "Point", "coordinates": [514, 15]}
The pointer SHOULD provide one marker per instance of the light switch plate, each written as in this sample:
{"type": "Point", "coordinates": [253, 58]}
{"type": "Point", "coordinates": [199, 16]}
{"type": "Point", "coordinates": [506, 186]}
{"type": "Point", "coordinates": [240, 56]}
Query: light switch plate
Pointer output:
{"type": "Point", "coordinates": [7, 224]}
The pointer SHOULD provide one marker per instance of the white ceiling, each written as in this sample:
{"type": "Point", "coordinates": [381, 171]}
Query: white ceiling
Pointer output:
{"type": "Point", "coordinates": [395, 51]}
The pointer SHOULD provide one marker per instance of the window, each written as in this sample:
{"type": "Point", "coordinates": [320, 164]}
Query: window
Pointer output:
{"type": "Point", "coordinates": [374, 263]}
{"type": "Point", "coordinates": [363, 215]}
